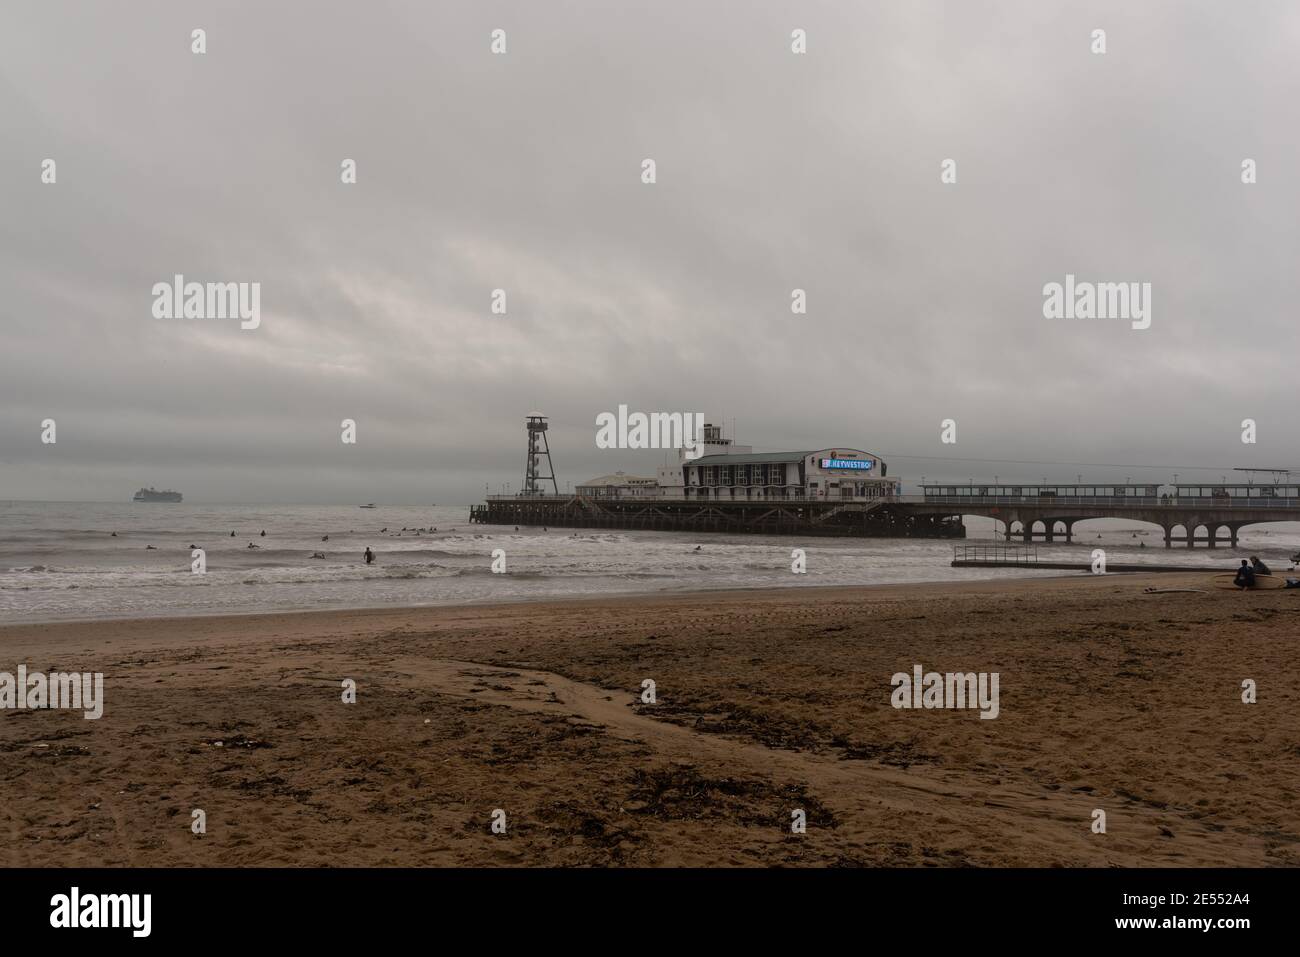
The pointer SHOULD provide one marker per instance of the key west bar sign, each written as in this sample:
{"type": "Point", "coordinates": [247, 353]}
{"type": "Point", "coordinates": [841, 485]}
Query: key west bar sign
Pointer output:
{"type": "Point", "coordinates": [861, 465]}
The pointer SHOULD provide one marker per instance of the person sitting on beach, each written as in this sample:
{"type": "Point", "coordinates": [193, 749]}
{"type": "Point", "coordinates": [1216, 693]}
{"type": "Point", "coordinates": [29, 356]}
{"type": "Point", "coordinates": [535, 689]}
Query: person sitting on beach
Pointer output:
{"type": "Point", "coordinates": [1245, 576]}
{"type": "Point", "coordinates": [1259, 567]}
{"type": "Point", "coordinates": [369, 556]}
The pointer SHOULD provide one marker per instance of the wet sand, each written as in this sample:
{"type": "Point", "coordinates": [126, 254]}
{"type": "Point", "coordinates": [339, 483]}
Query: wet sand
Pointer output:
{"type": "Point", "coordinates": [767, 702]}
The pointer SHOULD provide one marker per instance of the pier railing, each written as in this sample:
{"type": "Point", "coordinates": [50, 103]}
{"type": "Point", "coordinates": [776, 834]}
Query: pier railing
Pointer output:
{"type": "Point", "coordinates": [1107, 501]}
{"type": "Point", "coordinates": [958, 501]}
{"type": "Point", "coordinates": [995, 554]}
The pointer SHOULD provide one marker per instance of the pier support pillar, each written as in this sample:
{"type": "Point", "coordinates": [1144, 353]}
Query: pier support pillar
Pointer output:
{"type": "Point", "coordinates": [1168, 536]}
{"type": "Point", "coordinates": [1212, 531]}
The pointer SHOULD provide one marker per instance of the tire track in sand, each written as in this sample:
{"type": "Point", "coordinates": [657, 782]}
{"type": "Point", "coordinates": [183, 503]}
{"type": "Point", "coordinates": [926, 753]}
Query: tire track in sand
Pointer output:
{"type": "Point", "coordinates": [1044, 824]}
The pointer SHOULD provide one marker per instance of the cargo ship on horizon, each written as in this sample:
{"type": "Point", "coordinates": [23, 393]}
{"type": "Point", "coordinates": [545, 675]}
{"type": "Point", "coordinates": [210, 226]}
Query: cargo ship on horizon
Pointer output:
{"type": "Point", "coordinates": [153, 495]}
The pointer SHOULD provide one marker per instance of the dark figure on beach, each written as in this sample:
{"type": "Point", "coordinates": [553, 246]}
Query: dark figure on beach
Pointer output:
{"type": "Point", "coordinates": [1259, 567]}
{"type": "Point", "coordinates": [1245, 576]}
{"type": "Point", "coordinates": [369, 556]}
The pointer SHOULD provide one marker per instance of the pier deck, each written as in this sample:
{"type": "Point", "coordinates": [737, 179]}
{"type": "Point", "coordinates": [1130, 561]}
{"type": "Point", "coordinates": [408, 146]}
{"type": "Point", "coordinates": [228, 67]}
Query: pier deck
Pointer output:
{"type": "Point", "coordinates": [875, 518]}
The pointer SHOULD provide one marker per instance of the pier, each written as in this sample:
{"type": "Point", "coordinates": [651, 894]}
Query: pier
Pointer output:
{"type": "Point", "coordinates": [1189, 514]}
{"type": "Point", "coordinates": [1012, 556]}
{"type": "Point", "coordinates": [839, 490]}
{"type": "Point", "coordinates": [885, 518]}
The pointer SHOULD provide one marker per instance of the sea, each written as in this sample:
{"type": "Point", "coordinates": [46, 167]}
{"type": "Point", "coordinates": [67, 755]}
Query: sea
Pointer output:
{"type": "Point", "coordinates": [64, 560]}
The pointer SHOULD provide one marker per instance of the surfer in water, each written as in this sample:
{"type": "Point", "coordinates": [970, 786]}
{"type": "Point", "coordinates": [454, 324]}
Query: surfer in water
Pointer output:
{"type": "Point", "coordinates": [369, 556]}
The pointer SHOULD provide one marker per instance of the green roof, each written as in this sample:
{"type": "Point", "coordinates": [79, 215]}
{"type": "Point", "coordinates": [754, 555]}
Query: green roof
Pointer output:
{"type": "Point", "coordinates": [749, 459]}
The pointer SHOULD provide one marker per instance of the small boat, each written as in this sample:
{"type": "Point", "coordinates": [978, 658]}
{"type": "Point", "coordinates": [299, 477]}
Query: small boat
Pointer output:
{"type": "Point", "coordinates": [151, 494]}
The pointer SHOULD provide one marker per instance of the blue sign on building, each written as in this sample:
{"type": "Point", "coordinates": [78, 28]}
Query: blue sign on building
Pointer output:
{"type": "Point", "coordinates": [859, 464]}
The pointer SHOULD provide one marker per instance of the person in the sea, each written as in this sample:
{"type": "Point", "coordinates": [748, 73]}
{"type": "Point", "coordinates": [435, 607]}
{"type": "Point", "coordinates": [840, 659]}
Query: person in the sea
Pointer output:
{"type": "Point", "coordinates": [1259, 567]}
{"type": "Point", "coordinates": [369, 556]}
{"type": "Point", "coordinates": [1245, 576]}
{"type": "Point", "coordinates": [264, 533]}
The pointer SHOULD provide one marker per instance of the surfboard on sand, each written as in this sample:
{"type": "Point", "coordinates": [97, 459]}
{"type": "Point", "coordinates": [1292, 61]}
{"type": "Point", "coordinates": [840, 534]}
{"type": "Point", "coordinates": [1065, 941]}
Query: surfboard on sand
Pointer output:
{"type": "Point", "coordinates": [1261, 581]}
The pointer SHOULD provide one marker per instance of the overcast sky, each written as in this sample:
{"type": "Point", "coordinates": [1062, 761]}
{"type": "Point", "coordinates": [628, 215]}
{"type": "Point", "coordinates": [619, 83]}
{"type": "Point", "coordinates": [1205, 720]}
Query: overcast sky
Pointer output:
{"type": "Point", "coordinates": [523, 171]}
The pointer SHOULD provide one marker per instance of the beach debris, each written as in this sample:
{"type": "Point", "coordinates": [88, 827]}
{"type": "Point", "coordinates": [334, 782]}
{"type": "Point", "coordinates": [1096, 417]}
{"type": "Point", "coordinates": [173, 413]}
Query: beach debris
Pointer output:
{"type": "Point", "coordinates": [1168, 591]}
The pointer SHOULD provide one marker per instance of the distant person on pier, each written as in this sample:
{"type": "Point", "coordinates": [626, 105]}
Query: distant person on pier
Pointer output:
{"type": "Point", "coordinates": [1245, 576]}
{"type": "Point", "coordinates": [1259, 567]}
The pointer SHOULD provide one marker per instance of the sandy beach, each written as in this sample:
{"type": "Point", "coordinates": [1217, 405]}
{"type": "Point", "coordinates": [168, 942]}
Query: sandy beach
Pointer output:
{"type": "Point", "coordinates": [766, 702]}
